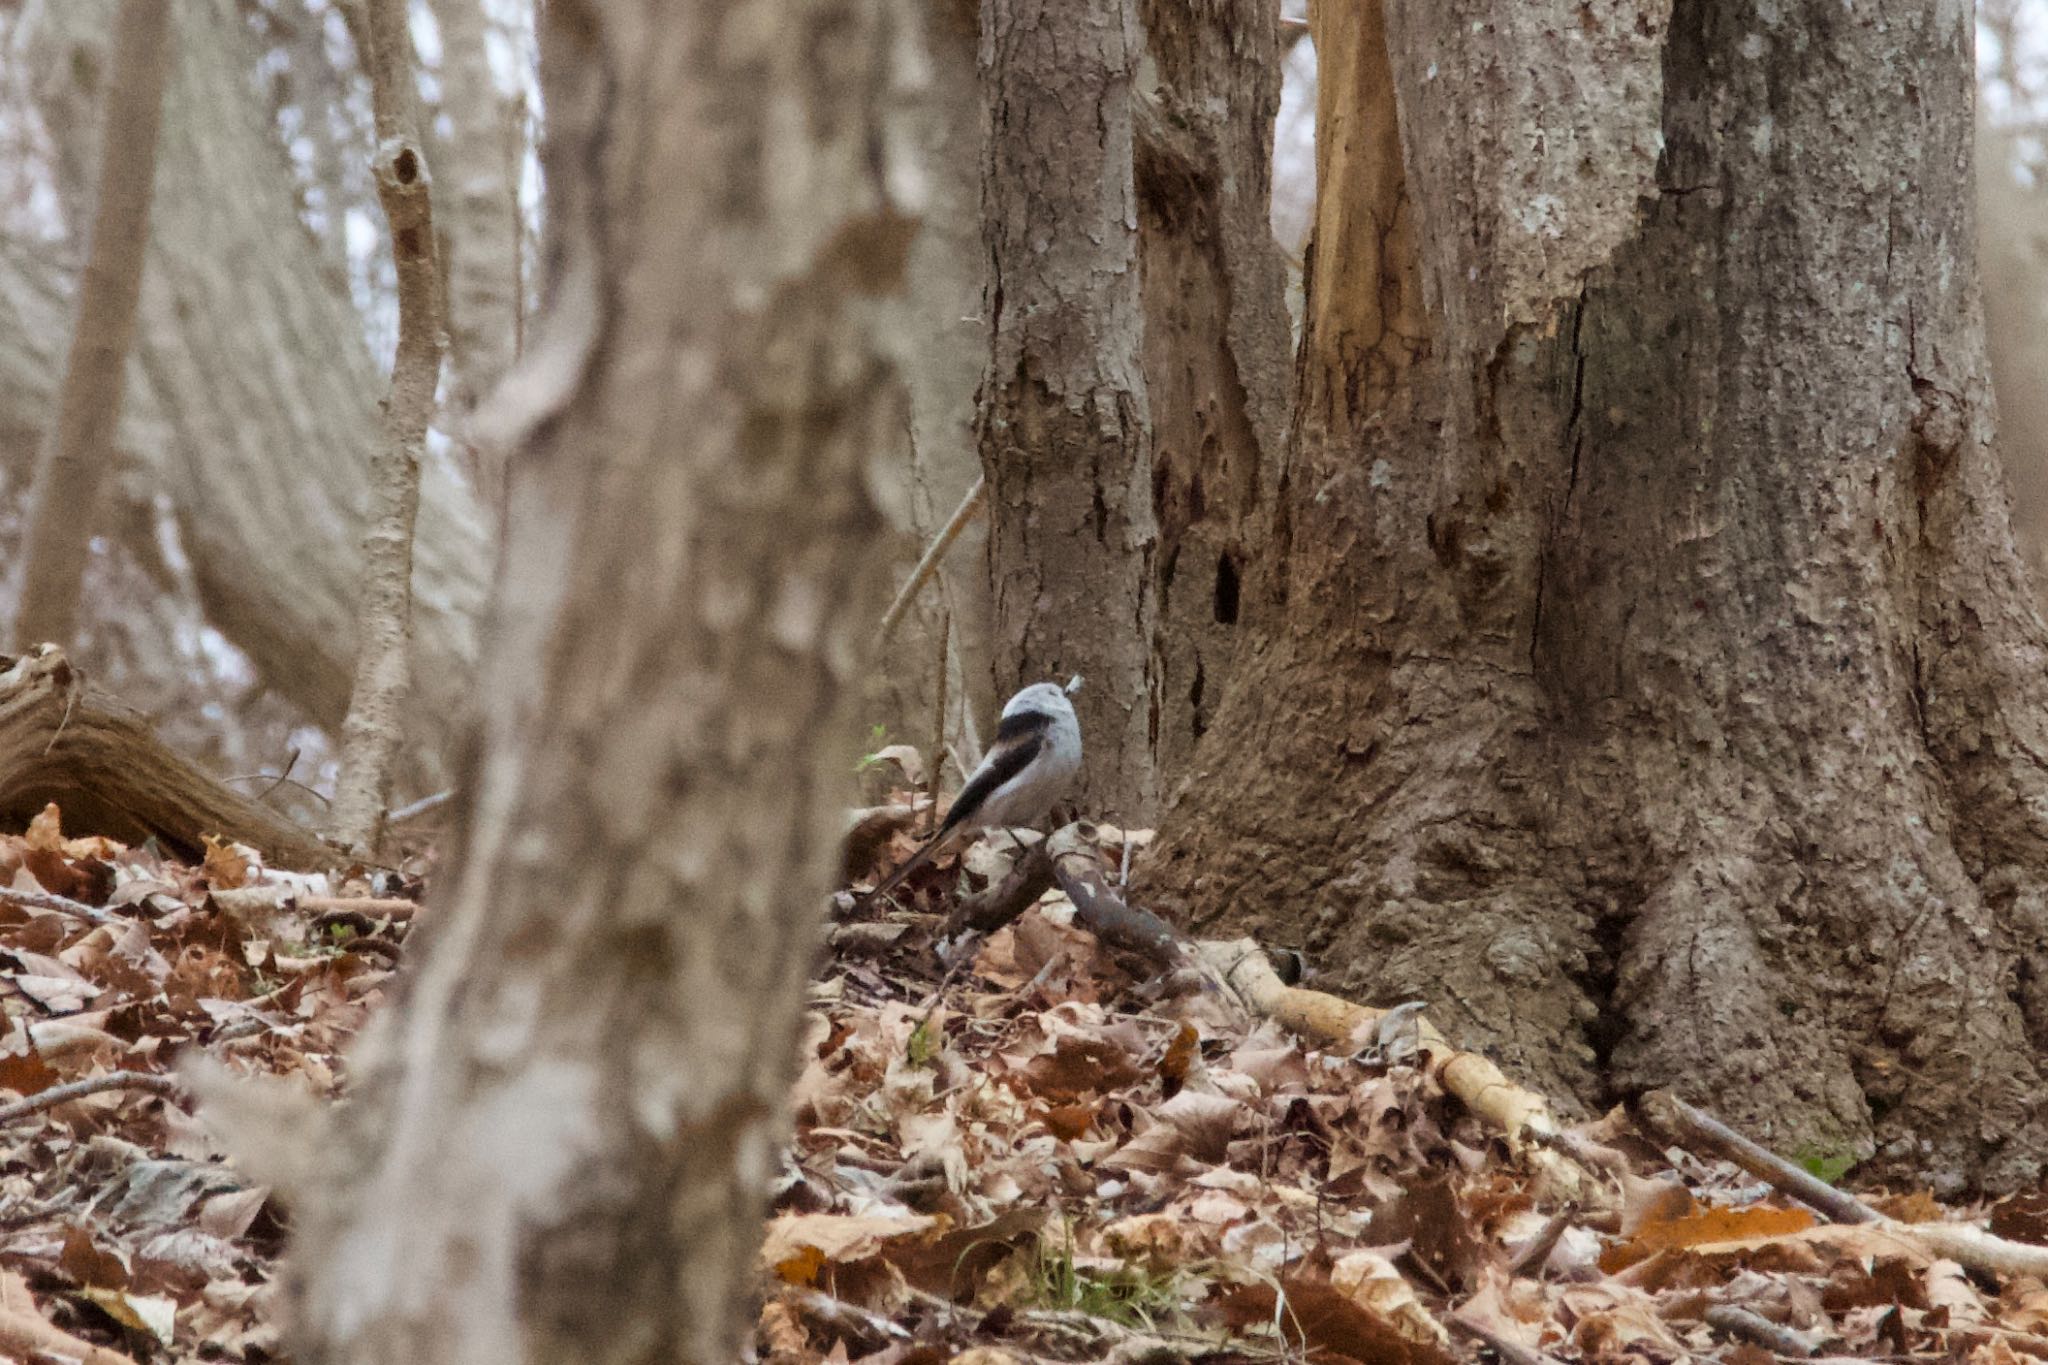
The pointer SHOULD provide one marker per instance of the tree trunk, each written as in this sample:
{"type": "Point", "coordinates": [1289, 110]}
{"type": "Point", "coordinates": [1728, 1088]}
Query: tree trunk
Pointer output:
{"type": "Point", "coordinates": [1064, 419]}
{"type": "Point", "coordinates": [257, 397]}
{"type": "Point", "coordinates": [71, 469]}
{"type": "Point", "coordinates": [476, 169]}
{"type": "Point", "coordinates": [1216, 340]}
{"type": "Point", "coordinates": [1657, 690]}
{"type": "Point", "coordinates": [559, 1150]}
{"type": "Point", "coordinates": [383, 681]}
{"type": "Point", "coordinates": [939, 319]}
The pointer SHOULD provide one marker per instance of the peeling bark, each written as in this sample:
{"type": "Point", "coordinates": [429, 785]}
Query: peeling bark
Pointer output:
{"type": "Point", "coordinates": [1064, 419]}
{"type": "Point", "coordinates": [560, 1142]}
{"type": "Point", "coordinates": [1658, 690]}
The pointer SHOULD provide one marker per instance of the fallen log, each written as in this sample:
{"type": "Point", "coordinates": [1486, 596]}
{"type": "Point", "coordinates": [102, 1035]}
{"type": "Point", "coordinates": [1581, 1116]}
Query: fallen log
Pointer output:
{"type": "Point", "coordinates": [63, 740]}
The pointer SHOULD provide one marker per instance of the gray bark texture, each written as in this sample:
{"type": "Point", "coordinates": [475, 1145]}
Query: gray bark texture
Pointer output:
{"type": "Point", "coordinates": [561, 1139]}
{"type": "Point", "coordinates": [1657, 690]}
{"type": "Point", "coordinates": [1064, 419]}
{"type": "Point", "coordinates": [374, 728]}
{"type": "Point", "coordinates": [1216, 349]}
{"type": "Point", "coordinates": [79, 449]}
{"type": "Point", "coordinates": [253, 397]}
{"type": "Point", "coordinates": [476, 166]}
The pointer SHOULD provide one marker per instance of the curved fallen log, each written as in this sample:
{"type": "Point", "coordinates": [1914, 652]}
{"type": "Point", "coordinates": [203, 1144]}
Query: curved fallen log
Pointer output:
{"type": "Point", "coordinates": [62, 740]}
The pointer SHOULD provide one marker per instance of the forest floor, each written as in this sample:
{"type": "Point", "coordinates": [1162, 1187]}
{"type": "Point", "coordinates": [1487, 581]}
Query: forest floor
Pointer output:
{"type": "Point", "coordinates": [1025, 1145]}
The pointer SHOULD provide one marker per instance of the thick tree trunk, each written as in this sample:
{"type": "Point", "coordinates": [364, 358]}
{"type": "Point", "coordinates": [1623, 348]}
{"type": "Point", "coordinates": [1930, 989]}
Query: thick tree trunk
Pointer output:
{"type": "Point", "coordinates": [559, 1149]}
{"type": "Point", "coordinates": [1216, 340]}
{"type": "Point", "coordinates": [256, 400]}
{"type": "Point", "coordinates": [1657, 688]}
{"type": "Point", "coordinates": [1064, 419]}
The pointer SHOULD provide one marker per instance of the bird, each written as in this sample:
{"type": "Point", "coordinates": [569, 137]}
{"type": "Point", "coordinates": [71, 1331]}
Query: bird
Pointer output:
{"type": "Point", "coordinates": [1036, 756]}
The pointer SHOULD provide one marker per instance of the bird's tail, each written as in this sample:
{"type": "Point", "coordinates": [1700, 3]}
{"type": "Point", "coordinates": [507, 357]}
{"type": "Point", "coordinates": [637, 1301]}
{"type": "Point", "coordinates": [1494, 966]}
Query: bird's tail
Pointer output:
{"type": "Point", "coordinates": [911, 864]}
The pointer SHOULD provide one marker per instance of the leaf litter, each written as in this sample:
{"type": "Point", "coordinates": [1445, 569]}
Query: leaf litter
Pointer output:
{"type": "Point", "coordinates": [1014, 1147]}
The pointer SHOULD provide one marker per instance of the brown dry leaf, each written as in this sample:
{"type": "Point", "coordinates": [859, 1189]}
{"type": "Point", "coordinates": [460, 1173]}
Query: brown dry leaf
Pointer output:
{"type": "Point", "coordinates": [798, 1246]}
{"type": "Point", "coordinates": [1371, 1281]}
{"type": "Point", "coordinates": [1317, 1315]}
{"type": "Point", "coordinates": [2022, 1217]}
{"type": "Point", "coordinates": [1427, 1216]}
{"type": "Point", "coordinates": [226, 867]}
{"type": "Point", "coordinates": [45, 833]}
{"type": "Point", "coordinates": [1710, 1228]}
{"type": "Point", "coordinates": [1180, 1054]}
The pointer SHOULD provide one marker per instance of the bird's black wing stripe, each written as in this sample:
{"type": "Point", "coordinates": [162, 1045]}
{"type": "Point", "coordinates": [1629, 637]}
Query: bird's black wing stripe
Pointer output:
{"type": "Point", "coordinates": [1006, 760]}
{"type": "Point", "coordinates": [1023, 723]}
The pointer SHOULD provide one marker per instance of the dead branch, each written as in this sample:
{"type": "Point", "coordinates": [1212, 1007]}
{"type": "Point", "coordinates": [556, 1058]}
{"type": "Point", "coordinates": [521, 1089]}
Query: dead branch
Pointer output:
{"type": "Point", "coordinates": [1513, 1352]}
{"type": "Point", "coordinates": [1531, 1258]}
{"type": "Point", "coordinates": [1100, 910]}
{"type": "Point", "coordinates": [1744, 1325]}
{"type": "Point", "coordinates": [79, 450]}
{"type": "Point", "coordinates": [62, 740]}
{"type": "Point", "coordinates": [989, 911]}
{"type": "Point", "coordinates": [1966, 1244]}
{"type": "Point", "coordinates": [1704, 1133]}
{"type": "Point", "coordinates": [63, 905]}
{"type": "Point", "coordinates": [929, 563]}
{"type": "Point", "coordinates": [374, 728]}
{"type": "Point", "coordinates": [91, 1085]}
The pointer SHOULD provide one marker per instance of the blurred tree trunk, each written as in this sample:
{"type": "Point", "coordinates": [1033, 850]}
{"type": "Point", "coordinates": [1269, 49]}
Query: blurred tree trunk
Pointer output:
{"type": "Point", "coordinates": [939, 319]}
{"type": "Point", "coordinates": [255, 397]}
{"type": "Point", "coordinates": [476, 168]}
{"type": "Point", "coordinates": [561, 1141]}
{"type": "Point", "coordinates": [1217, 371]}
{"type": "Point", "coordinates": [1656, 688]}
{"type": "Point", "coordinates": [1064, 418]}
{"type": "Point", "coordinates": [79, 448]}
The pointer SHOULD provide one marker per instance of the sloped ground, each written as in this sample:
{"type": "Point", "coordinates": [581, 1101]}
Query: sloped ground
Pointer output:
{"type": "Point", "coordinates": [1024, 1146]}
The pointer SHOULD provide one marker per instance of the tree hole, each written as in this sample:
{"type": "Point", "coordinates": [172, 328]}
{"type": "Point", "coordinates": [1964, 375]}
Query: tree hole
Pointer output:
{"type": "Point", "coordinates": [1226, 590]}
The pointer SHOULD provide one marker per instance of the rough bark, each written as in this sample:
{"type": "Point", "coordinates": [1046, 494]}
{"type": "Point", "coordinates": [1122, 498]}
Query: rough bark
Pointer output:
{"type": "Point", "coordinates": [63, 740]}
{"type": "Point", "coordinates": [1216, 348]}
{"type": "Point", "coordinates": [1063, 417]}
{"type": "Point", "coordinates": [254, 397]}
{"type": "Point", "coordinates": [374, 727]}
{"type": "Point", "coordinates": [1657, 686]}
{"type": "Point", "coordinates": [75, 457]}
{"type": "Point", "coordinates": [560, 1142]}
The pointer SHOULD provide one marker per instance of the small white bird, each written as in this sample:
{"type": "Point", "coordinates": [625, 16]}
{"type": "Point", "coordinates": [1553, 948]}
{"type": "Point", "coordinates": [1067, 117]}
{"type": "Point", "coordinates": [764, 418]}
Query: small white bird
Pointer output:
{"type": "Point", "coordinates": [1036, 756]}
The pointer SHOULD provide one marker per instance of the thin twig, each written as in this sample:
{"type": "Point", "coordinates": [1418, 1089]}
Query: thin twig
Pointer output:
{"type": "Point", "coordinates": [1531, 1258]}
{"type": "Point", "coordinates": [1513, 1352]}
{"type": "Point", "coordinates": [91, 1085]}
{"type": "Point", "coordinates": [63, 905]}
{"type": "Point", "coordinates": [927, 565]}
{"type": "Point", "coordinates": [425, 805]}
{"type": "Point", "coordinates": [938, 750]}
{"type": "Point", "coordinates": [1701, 1131]}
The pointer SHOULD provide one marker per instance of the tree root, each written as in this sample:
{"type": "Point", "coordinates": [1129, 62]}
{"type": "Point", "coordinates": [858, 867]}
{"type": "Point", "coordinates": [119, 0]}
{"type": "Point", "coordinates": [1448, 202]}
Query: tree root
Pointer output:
{"type": "Point", "coordinates": [64, 741]}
